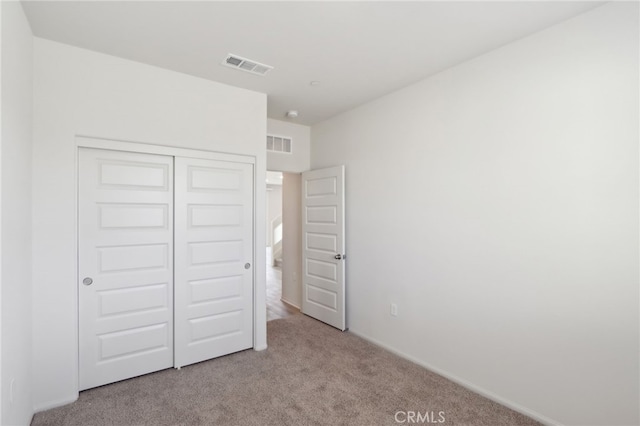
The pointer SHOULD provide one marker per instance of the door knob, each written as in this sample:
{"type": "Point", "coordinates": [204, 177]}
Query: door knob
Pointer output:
{"type": "Point", "coordinates": [247, 265]}
{"type": "Point", "coordinates": [87, 281]}
{"type": "Point", "coordinates": [337, 256]}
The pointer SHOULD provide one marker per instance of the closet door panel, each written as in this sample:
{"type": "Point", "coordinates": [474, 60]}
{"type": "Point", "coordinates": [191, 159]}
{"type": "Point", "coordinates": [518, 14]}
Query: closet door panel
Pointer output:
{"type": "Point", "coordinates": [125, 265]}
{"type": "Point", "coordinates": [213, 259]}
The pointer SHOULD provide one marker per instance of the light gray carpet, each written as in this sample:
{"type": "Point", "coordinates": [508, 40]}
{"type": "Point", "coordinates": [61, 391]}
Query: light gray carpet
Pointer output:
{"type": "Point", "coordinates": [311, 374]}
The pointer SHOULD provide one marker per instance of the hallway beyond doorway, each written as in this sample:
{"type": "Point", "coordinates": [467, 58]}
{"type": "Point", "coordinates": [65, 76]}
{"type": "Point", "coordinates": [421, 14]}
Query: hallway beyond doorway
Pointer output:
{"type": "Point", "coordinates": [276, 308]}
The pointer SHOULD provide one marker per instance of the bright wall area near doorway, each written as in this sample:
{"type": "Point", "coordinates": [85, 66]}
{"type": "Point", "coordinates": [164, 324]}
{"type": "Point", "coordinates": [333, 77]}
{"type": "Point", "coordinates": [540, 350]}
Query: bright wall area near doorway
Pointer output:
{"type": "Point", "coordinates": [274, 204]}
{"type": "Point", "coordinates": [292, 239]}
{"type": "Point", "coordinates": [291, 165]}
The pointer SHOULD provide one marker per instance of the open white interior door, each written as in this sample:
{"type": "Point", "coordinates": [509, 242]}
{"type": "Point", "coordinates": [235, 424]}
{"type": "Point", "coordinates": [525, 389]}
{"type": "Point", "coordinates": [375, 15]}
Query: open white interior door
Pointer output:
{"type": "Point", "coordinates": [323, 247]}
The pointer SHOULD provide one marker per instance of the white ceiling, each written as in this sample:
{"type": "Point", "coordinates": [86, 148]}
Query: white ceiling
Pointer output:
{"type": "Point", "coordinates": [358, 51]}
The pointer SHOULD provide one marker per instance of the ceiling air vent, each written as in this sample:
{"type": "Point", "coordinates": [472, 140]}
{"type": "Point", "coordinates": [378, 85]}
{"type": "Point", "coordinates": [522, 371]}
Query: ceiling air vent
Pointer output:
{"type": "Point", "coordinates": [240, 63]}
{"type": "Point", "coordinates": [279, 144]}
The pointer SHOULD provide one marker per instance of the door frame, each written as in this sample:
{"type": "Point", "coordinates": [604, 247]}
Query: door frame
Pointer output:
{"type": "Point", "coordinates": [259, 272]}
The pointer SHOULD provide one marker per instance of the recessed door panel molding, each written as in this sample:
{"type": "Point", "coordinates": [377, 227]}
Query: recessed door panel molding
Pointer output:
{"type": "Point", "coordinates": [213, 179]}
{"type": "Point", "coordinates": [321, 242]}
{"type": "Point", "coordinates": [205, 216]}
{"type": "Point", "coordinates": [133, 175]}
{"type": "Point", "coordinates": [321, 187]}
{"type": "Point", "coordinates": [132, 300]}
{"type": "Point", "coordinates": [214, 327]}
{"type": "Point", "coordinates": [320, 296]}
{"type": "Point", "coordinates": [134, 341]}
{"type": "Point", "coordinates": [133, 216]}
{"type": "Point", "coordinates": [321, 215]}
{"type": "Point", "coordinates": [323, 231]}
{"type": "Point", "coordinates": [325, 270]}
{"type": "Point", "coordinates": [213, 258]}
{"type": "Point", "coordinates": [138, 257]}
{"type": "Point", "coordinates": [213, 252]}
{"type": "Point", "coordinates": [215, 289]}
{"type": "Point", "coordinates": [125, 244]}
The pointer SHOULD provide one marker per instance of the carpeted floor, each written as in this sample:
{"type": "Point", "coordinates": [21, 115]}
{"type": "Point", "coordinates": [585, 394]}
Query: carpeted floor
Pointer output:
{"type": "Point", "coordinates": [311, 374]}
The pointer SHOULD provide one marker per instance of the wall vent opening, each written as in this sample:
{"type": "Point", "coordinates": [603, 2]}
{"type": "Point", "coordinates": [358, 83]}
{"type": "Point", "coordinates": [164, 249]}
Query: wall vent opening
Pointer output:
{"type": "Point", "coordinates": [244, 64]}
{"type": "Point", "coordinates": [279, 144]}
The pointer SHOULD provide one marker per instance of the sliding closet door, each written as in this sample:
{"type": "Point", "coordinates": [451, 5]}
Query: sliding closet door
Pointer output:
{"type": "Point", "coordinates": [213, 259]}
{"type": "Point", "coordinates": [125, 265]}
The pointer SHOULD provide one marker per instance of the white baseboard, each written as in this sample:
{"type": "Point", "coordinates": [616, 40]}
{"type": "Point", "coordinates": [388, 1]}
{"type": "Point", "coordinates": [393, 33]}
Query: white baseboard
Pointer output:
{"type": "Point", "coordinates": [477, 389]}
{"type": "Point", "coordinates": [293, 305]}
{"type": "Point", "coordinates": [54, 404]}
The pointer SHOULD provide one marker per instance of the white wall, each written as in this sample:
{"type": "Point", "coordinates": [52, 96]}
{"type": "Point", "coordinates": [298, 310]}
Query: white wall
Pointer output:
{"type": "Point", "coordinates": [292, 239]}
{"type": "Point", "coordinates": [17, 109]}
{"type": "Point", "coordinates": [298, 160]}
{"type": "Point", "coordinates": [78, 92]}
{"type": "Point", "coordinates": [497, 204]}
{"type": "Point", "coordinates": [1, 114]}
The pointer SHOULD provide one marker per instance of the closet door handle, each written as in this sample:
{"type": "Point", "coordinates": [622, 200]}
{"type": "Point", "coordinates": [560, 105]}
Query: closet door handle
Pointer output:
{"type": "Point", "coordinates": [247, 265]}
{"type": "Point", "coordinates": [87, 281]}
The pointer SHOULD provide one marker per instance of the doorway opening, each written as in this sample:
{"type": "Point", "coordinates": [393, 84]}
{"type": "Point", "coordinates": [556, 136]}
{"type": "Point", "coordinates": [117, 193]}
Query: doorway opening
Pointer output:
{"type": "Point", "coordinates": [277, 306]}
